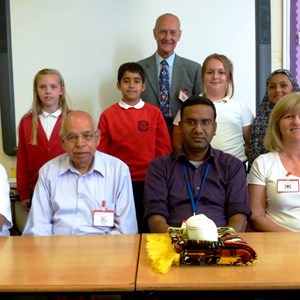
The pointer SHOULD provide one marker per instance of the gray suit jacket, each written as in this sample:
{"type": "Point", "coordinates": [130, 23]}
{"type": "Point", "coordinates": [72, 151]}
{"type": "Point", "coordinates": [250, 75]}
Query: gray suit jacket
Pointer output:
{"type": "Point", "coordinates": [186, 77]}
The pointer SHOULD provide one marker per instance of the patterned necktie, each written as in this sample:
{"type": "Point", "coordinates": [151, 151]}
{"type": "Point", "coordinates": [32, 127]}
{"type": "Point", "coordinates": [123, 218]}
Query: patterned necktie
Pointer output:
{"type": "Point", "coordinates": [164, 89]}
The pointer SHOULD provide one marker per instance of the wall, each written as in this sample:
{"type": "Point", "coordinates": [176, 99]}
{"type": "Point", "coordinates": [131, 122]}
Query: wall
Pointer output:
{"type": "Point", "coordinates": [58, 37]}
{"type": "Point", "coordinates": [276, 33]}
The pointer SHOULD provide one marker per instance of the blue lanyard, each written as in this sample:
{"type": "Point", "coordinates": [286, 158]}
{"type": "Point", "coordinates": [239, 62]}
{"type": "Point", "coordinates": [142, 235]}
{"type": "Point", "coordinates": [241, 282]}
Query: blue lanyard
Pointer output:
{"type": "Point", "coordinates": [188, 184]}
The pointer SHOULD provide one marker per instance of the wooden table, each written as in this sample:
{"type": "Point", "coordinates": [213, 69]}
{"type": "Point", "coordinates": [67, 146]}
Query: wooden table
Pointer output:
{"type": "Point", "coordinates": [105, 263]}
{"type": "Point", "coordinates": [277, 268]}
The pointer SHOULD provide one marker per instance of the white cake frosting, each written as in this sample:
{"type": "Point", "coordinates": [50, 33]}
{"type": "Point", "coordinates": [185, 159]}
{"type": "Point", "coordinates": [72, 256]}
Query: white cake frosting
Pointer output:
{"type": "Point", "coordinates": [200, 227]}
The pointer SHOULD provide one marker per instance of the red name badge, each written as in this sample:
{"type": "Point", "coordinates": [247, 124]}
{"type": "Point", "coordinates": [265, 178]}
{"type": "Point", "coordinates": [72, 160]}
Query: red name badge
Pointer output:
{"type": "Point", "coordinates": [288, 185]}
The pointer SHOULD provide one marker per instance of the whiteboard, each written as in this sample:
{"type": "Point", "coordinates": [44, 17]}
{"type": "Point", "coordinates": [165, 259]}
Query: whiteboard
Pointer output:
{"type": "Point", "coordinates": [87, 41]}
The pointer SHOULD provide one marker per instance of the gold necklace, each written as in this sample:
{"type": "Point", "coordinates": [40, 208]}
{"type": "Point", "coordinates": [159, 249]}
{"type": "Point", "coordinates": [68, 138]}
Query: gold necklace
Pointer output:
{"type": "Point", "coordinates": [294, 162]}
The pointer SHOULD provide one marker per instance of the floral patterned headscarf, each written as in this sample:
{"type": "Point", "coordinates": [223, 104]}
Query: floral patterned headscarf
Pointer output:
{"type": "Point", "coordinates": [261, 121]}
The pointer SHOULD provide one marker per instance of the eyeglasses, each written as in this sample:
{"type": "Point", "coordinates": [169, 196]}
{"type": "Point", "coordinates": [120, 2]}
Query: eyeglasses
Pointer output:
{"type": "Point", "coordinates": [194, 123]}
{"type": "Point", "coordinates": [86, 135]}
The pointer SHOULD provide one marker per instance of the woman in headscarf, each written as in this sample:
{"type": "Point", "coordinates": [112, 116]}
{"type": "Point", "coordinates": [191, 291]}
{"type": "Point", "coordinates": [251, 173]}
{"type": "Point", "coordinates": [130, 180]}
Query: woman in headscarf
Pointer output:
{"type": "Point", "coordinates": [279, 83]}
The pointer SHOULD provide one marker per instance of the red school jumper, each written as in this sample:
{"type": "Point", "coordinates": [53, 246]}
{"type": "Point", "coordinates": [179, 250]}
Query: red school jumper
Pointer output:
{"type": "Point", "coordinates": [31, 157]}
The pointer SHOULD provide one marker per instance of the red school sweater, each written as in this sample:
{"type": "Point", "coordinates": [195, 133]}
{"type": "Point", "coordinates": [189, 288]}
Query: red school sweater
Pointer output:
{"type": "Point", "coordinates": [31, 157]}
{"type": "Point", "coordinates": [136, 136]}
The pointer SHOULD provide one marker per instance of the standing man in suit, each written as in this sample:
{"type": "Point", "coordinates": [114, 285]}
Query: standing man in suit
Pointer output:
{"type": "Point", "coordinates": [184, 75]}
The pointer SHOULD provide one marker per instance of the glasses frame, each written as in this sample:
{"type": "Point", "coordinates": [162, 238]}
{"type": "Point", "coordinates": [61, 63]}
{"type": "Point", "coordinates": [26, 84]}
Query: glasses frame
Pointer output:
{"type": "Point", "coordinates": [87, 136]}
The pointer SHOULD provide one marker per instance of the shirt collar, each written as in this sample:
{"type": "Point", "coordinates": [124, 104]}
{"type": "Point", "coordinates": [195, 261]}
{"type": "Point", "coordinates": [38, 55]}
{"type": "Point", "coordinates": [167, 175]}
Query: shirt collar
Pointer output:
{"type": "Point", "coordinates": [139, 105]}
{"type": "Point", "coordinates": [170, 60]}
{"type": "Point", "coordinates": [55, 114]}
{"type": "Point", "coordinates": [180, 155]}
{"type": "Point", "coordinates": [225, 99]}
{"type": "Point", "coordinates": [98, 164]}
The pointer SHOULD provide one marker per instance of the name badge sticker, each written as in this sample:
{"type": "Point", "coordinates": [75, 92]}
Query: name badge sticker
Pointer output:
{"type": "Point", "coordinates": [182, 96]}
{"type": "Point", "coordinates": [288, 185]}
{"type": "Point", "coordinates": [103, 218]}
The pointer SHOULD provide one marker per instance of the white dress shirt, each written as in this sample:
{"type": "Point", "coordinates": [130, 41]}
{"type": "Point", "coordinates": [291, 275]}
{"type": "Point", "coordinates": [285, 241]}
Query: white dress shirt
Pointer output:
{"type": "Point", "coordinates": [48, 121]}
{"type": "Point", "coordinates": [5, 208]}
{"type": "Point", "coordinates": [64, 200]}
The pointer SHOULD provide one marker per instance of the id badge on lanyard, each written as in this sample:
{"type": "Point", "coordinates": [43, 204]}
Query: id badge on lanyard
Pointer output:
{"type": "Point", "coordinates": [187, 180]}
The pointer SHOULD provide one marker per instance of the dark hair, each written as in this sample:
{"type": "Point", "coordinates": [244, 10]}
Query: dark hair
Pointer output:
{"type": "Point", "coordinates": [131, 67]}
{"type": "Point", "coordinates": [194, 100]}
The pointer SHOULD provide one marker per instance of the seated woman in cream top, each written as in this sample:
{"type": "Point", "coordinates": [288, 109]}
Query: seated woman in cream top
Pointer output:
{"type": "Point", "coordinates": [273, 181]}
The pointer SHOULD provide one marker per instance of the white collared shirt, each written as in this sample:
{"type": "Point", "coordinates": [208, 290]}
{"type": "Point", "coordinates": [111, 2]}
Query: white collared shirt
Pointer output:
{"type": "Point", "coordinates": [225, 99]}
{"type": "Point", "coordinates": [48, 121]}
{"type": "Point", "coordinates": [5, 208]}
{"type": "Point", "coordinates": [139, 105]}
{"type": "Point", "coordinates": [71, 213]}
